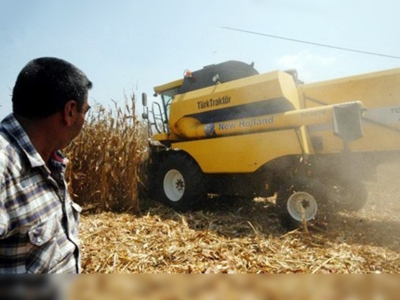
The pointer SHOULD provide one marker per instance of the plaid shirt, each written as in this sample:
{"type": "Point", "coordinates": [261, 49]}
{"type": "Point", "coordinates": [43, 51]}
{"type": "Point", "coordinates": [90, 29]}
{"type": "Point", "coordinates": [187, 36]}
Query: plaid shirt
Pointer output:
{"type": "Point", "coordinates": [38, 220]}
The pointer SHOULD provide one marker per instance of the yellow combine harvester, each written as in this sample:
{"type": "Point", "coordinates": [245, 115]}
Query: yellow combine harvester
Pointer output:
{"type": "Point", "coordinates": [228, 130]}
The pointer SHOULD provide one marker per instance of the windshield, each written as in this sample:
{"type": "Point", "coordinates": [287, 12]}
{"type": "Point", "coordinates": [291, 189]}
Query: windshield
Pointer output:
{"type": "Point", "coordinates": [167, 104]}
{"type": "Point", "coordinates": [167, 97]}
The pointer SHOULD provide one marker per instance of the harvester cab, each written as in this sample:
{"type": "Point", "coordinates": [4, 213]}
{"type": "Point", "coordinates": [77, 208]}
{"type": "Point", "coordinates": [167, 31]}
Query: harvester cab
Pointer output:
{"type": "Point", "coordinates": [158, 119]}
{"type": "Point", "coordinates": [228, 130]}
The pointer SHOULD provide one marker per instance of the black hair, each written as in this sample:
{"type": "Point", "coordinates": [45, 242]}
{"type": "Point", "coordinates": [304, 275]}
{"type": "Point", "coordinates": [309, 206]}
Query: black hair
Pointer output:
{"type": "Point", "coordinates": [45, 85]}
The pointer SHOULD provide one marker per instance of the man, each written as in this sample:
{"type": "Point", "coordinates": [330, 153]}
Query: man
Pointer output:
{"type": "Point", "coordinates": [38, 220]}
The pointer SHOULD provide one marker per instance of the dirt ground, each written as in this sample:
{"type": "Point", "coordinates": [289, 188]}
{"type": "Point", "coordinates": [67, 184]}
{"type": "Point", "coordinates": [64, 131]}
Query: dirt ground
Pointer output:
{"type": "Point", "coordinates": [245, 237]}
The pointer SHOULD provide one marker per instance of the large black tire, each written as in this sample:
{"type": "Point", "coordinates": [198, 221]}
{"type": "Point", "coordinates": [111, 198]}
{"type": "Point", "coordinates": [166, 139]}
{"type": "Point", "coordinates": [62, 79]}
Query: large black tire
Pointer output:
{"type": "Point", "coordinates": [301, 198]}
{"type": "Point", "coordinates": [180, 183]}
{"type": "Point", "coordinates": [350, 195]}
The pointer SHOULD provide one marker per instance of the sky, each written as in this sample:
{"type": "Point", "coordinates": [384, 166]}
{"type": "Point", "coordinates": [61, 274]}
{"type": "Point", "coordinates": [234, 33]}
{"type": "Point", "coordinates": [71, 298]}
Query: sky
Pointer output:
{"type": "Point", "coordinates": [127, 47]}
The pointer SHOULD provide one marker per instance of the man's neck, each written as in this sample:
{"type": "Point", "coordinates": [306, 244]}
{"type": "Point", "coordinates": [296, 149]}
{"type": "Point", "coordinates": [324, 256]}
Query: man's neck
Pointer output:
{"type": "Point", "coordinates": [42, 135]}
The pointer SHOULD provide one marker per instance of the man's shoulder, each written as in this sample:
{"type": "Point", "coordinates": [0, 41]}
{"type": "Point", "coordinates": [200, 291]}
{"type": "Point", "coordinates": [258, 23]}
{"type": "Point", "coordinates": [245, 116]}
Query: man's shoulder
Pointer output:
{"type": "Point", "coordinates": [8, 143]}
{"type": "Point", "coordinates": [7, 150]}
{"type": "Point", "coordinates": [4, 154]}
{"type": "Point", "coordinates": [4, 135]}
{"type": "Point", "coordinates": [5, 142]}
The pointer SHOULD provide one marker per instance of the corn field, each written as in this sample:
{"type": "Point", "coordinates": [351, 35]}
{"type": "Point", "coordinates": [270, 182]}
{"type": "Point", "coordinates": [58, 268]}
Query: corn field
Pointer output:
{"type": "Point", "coordinates": [103, 173]}
{"type": "Point", "coordinates": [228, 236]}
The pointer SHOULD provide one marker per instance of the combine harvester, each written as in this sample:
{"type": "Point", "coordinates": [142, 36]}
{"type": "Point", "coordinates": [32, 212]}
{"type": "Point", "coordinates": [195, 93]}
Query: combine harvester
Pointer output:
{"type": "Point", "coordinates": [228, 130]}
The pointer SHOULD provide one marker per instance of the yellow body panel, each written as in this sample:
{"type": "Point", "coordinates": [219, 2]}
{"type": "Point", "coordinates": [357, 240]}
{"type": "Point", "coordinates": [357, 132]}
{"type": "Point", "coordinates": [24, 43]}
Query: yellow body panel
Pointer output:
{"type": "Point", "coordinates": [241, 154]}
{"type": "Point", "coordinates": [228, 150]}
{"type": "Point", "coordinates": [169, 85]}
{"type": "Point", "coordinates": [237, 92]}
{"type": "Point", "coordinates": [380, 95]}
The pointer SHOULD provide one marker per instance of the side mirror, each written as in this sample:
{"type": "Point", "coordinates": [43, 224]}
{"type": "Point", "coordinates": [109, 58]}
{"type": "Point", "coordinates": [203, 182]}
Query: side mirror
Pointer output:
{"type": "Point", "coordinates": [144, 99]}
{"type": "Point", "coordinates": [145, 116]}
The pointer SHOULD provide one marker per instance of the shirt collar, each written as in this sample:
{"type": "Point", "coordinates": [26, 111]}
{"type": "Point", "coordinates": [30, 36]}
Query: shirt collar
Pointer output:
{"type": "Point", "coordinates": [14, 128]}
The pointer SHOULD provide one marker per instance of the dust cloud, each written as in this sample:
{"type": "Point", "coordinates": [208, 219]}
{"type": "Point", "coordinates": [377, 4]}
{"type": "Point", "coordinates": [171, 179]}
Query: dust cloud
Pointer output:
{"type": "Point", "coordinates": [378, 223]}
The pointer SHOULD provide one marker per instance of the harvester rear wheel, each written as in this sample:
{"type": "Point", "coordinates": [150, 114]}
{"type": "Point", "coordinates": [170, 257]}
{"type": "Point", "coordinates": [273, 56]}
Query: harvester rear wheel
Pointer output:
{"type": "Point", "coordinates": [301, 200]}
{"type": "Point", "coordinates": [180, 183]}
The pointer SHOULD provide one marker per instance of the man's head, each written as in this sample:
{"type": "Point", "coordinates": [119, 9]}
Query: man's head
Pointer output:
{"type": "Point", "coordinates": [45, 85]}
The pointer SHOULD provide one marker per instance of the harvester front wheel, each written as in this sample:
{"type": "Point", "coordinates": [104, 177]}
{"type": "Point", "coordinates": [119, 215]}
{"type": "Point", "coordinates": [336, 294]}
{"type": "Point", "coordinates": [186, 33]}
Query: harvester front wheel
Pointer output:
{"type": "Point", "coordinates": [300, 200]}
{"type": "Point", "coordinates": [180, 183]}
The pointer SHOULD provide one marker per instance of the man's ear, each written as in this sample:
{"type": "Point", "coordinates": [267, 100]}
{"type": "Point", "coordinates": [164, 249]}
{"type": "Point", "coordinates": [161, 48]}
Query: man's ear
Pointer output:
{"type": "Point", "coordinates": [70, 111]}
